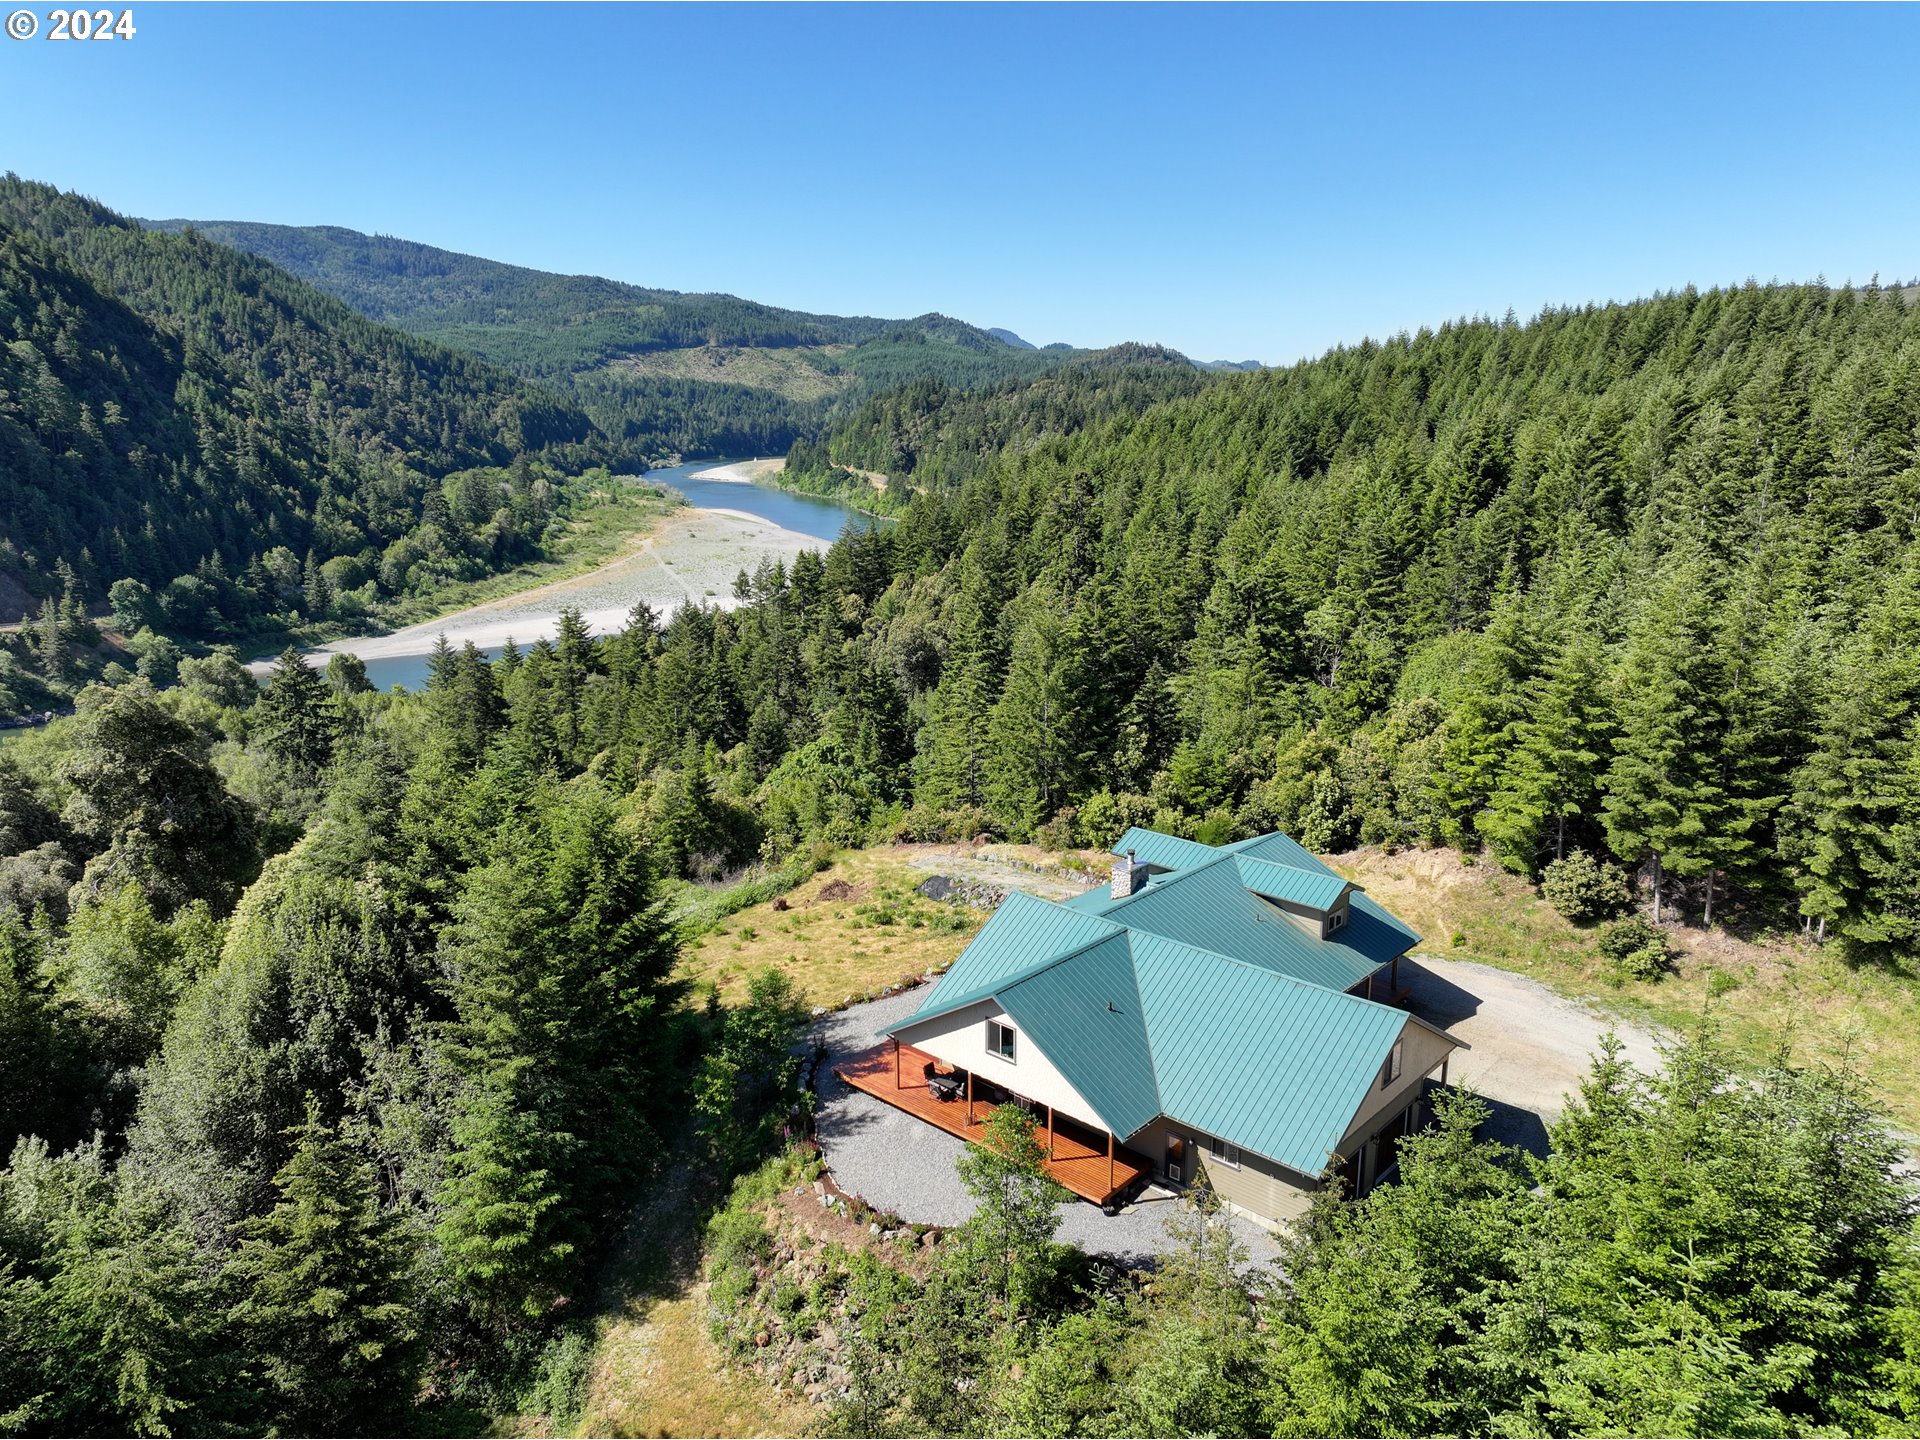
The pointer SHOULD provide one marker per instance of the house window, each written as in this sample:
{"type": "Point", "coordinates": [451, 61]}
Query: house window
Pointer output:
{"type": "Point", "coordinates": [1223, 1151]}
{"type": "Point", "coordinates": [1337, 920]}
{"type": "Point", "coordinates": [1392, 1072]}
{"type": "Point", "coordinates": [1000, 1040]}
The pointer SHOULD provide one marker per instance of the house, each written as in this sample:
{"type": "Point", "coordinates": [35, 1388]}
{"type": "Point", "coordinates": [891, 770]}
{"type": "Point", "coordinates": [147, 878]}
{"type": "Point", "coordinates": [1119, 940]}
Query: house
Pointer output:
{"type": "Point", "coordinates": [1217, 1009]}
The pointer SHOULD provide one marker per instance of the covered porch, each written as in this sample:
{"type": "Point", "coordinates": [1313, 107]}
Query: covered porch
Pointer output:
{"type": "Point", "coordinates": [1090, 1163]}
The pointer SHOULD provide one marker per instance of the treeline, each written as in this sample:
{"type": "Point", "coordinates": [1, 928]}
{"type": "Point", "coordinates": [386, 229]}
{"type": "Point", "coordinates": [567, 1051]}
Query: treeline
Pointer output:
{"type": "Point", "coordinates": [1638, 580]}
{"type": "Point", "coordinates": [179, 414]}
{"type": "Point", "coordinates": [334, 1051]}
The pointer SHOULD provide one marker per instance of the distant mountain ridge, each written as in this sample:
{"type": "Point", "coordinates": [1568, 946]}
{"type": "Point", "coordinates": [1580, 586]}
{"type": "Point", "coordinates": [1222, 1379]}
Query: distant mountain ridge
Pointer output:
{"type": "Point", "coordinates": [662, 371]}
{"type": "Point", "coordinates": [456, 297]}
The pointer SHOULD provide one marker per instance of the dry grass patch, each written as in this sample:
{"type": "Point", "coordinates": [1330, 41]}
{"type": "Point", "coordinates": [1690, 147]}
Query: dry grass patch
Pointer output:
{"type": "Point", "coordinates": [661, 1373]}
{"type": "Point", "coordinates": [1761, 996]}
{"type": "Point", "coordinates": [873, 929]}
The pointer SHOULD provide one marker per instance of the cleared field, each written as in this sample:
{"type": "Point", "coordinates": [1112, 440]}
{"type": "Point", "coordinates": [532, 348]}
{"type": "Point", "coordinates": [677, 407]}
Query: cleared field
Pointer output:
{"type": "Point", "coordinates": [869, 929]}
{"type": "Point", "coordinates": [1760, 997]}
{"type": "Point", "coordinates": [784, 371]}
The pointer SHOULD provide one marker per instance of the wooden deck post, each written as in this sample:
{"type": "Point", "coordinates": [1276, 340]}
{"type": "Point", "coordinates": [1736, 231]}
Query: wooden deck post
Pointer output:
{"type": "Point", "coordinates": [1443, 1068]}
{"type": "Point", "coordinates": [896, 1063]}
{"type": "Point", "coordinates": [1109, 1162]}
{"type": "Point", "coordinates": [969, 1097]}
{"type": "Point", "coordinates": [1049, 1132]}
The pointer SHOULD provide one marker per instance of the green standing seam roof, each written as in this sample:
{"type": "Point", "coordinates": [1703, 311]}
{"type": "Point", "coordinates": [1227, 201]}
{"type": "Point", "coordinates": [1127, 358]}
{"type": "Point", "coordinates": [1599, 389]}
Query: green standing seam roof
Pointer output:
{"type": "Point", "coordinates": [1274, 1065]}
{"type": "Point", "coordinates": [1095, 1030]}
{"type": "Point", "coordinates": [1195, 998]}
{"type": "Point", "coordinates": [1026, 933]}
{"type": "Point", "coordinates": [1168, 852]}
{"type": "Point", "coordinates": [1314, 889]}
{"type": "Point", "coordinates": [1281, 850]}
{"type": "Point", "coordinates": [1210, 906]}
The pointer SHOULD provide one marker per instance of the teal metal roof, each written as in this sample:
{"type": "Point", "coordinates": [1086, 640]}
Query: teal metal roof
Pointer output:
{"type": "Point", "coordinates": [1026, 933]}
{"type": "Point", "coordinates": [1281, 850]}
{"type": "Point", "coordinates": [1210, 906]}
{"type": "Point", "coordinates": [1315, 889]}
{"type": "Point", "coordinates": [1093, 902]}
{"type": "Point", "coordinates": [1087, 1018]}
{"type": "Point", "coordinates": [1169, 852]}
{"type": "Point", "coordinates": [1195, 998]}
{"type": "Point", "coordinates": [1274, 1065]}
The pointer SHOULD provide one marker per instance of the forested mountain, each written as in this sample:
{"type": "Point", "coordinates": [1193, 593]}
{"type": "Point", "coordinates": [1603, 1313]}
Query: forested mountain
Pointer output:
{"type": "Point", "coordinates": [178, 413]}
{"type": "Point", "coordinates": [1639, 580]}
{"type": "Point", "coordinates": [674, 372]}
{"type": "Point", "coordinates": [930, 435]}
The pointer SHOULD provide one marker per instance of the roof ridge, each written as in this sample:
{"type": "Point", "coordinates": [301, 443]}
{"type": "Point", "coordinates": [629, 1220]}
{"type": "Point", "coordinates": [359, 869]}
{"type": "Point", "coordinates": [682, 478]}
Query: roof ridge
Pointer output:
{"type": "Point", "coordinates": [1173, 877]}
{"type": "Point", "coordinates": [1260, 969]}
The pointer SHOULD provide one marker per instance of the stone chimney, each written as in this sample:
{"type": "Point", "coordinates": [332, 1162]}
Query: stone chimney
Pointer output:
{"type": "Point", "coordinates": [1128, 876]}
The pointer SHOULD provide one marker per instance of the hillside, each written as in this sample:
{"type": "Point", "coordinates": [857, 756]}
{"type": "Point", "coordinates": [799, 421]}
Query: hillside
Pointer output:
{"type": "Point", "coordinates": [686, 373]}
{"type": "Point", "coordinates": [178, 413]}
{"type": "Point", "coordinates": [931, 435]}
{"type": "Point", "coordinates": [1638, 580]}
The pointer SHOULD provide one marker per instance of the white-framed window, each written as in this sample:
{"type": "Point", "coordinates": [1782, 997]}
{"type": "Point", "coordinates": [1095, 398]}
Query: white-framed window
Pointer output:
{"type": "Point", "coordinates": [1337, 919]}
{"type": "Point", "coordinates": [1000, 1040]}
{"type": "Point", "coordinates": [1225, 1151]}
{"type": "Point", "coordinates": [1392, 1071]}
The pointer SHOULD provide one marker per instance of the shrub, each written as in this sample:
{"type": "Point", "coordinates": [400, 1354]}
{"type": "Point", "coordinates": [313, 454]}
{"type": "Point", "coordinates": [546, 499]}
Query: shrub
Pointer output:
{"type": "Point", "coordinates": [1583, 888]}
{"type": "Point", "coordinates": [1635, 948]}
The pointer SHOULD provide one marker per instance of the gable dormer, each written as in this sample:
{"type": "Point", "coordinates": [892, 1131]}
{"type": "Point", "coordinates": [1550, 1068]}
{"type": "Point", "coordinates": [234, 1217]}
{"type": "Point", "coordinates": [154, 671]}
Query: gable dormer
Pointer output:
{"type": "Point", "coordinates": [1318, 902]}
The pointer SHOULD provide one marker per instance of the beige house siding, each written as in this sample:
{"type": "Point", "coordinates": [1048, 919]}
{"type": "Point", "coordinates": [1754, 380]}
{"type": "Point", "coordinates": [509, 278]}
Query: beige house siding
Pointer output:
{"type": "Point", "coordinates": [1257, 1187]}
{"type": "Point", "coordinates": [961, 1039]}
{"type": "Point", "coordinates": [1424, 1050]}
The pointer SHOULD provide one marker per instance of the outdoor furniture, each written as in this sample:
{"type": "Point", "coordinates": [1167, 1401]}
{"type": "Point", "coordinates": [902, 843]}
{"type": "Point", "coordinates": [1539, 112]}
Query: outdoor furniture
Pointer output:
{"type": "Point", "coordinates": [947, 1087]}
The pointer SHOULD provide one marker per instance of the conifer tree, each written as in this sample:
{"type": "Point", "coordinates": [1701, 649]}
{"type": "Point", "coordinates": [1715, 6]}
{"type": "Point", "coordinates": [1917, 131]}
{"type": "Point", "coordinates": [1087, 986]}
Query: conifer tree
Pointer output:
{"type": "Point", "coordinates": [1662, 802]}
{"type": "Point", "coordinates": [1552, 773]}
{"type": "Point", "coordinates": [329, 1294]}
{"type": "Point", "coordinates": [299, 723]}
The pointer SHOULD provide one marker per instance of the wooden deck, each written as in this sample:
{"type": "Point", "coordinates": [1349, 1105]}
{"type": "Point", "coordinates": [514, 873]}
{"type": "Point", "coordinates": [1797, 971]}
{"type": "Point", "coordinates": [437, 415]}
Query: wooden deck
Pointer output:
{"type": "Point", "coordinates": [1080, 1160]}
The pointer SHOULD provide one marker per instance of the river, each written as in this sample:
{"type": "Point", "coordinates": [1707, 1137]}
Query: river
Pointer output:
{"type": "Point", "coordinates": [732, 525]}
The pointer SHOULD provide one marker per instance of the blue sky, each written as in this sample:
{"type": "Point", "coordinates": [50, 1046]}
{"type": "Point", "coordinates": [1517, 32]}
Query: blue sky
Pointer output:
{"type": "Point", "coordinates": [1235, 181]}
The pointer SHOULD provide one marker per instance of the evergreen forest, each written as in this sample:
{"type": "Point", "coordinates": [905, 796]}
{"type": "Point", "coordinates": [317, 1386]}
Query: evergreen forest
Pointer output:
{"type": "Point", "coordinates": [342, 1034]}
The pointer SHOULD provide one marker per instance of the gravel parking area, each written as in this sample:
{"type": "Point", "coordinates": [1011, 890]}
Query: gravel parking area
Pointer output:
{"type": "Point", "coordinates": [899, 1163]}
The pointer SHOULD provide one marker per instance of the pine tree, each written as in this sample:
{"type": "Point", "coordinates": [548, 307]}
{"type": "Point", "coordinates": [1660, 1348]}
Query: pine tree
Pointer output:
{"type": "Point", "coordinates": [1662, 803]}
{"type": "Point", "coordinates": [298, 720]}
{"type": "Point", "coordinates": [1856, 805]}
{"type": "Point", "coordinates": [1032, 737]}
{"type": "Point", "coordinates": [1480, 729]}
{"type": "Point", "coordinates": [50, 645]}
{"type": "Point", "coordinates": [329, 1308]}
{"type": "Point", "coordinates": [952, 755]}
{"type": "Point", "coordinates": [1559, 746]}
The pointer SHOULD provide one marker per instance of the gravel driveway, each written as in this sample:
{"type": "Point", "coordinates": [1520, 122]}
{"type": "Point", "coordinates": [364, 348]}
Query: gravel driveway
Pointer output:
{"type": "Point", "coordinates": [1530, 1049]}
